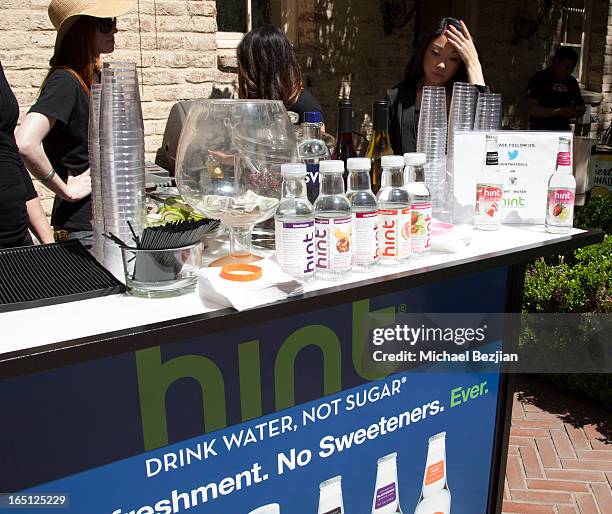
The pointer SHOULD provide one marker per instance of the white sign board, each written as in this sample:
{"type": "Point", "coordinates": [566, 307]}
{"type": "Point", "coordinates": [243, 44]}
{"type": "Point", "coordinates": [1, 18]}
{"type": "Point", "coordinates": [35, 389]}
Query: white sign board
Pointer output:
{"type": "Point", "coordinates": [527, 159]}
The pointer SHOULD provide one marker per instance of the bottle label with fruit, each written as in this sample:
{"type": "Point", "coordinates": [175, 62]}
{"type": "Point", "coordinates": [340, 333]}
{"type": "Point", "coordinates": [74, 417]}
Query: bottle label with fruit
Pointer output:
{"type": "Point", "coordinates": [365, 237]}
{"type": "Point", "coordinates": [333, 243]}
{"type": "Point", "coordinates": [295, 247]}
{"type": "Point", "coordinates": [394, 233]}
{"type": "Point", "coordinates": [561, 206]}
{"type": "Point", "coordinates": [489, 201]}
{"type": "Point", "coordinates": [420, 228]}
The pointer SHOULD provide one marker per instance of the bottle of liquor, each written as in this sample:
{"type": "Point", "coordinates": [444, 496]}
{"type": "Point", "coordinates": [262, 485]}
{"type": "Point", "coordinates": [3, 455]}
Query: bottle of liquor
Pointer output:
{"type": "Point", "coordinates": [435, 495]}
{"type": "Point", "coordinates": [394, 206]}
{"type": "Point", "coordinates": [561, 192]}
{"type": "Point", "coordinates": [380, 143]}
{"type": "Point", "coordinates": [364, 211]}
{"type": "Point", "coordinates": [330, 496]}
{"type": "Point", "coordinates": [344, 148]}
{"type": "Point", "coordinates": [420, 216]}
{"type": "Point", "coordinates": [312, 149]}
{"type": "Point", "coordinates": [489, 189]}
{"type": "Point", "coordinates": [332, 224]}
{"type": "Point", "coordinates": [294, 225]}
{"type": "Point", "coordinates": [386, 493]}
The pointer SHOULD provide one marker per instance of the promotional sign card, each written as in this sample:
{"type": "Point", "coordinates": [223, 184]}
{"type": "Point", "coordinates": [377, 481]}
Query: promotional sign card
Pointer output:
{"type": "Point", "coordinates": [527, 159]}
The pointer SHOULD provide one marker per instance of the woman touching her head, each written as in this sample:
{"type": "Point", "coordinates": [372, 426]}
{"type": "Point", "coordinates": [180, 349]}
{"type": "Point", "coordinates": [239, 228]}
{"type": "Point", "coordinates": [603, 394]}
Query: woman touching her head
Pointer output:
{"type": "Point", "coordinates": [53, 139]}
{"type": "Point", "coordinates": [444, 56]}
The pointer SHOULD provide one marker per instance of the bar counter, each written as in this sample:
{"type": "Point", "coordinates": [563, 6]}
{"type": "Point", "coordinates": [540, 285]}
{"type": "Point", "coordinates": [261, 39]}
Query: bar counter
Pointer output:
{"type": "Point", "coordinates": [104, 400]}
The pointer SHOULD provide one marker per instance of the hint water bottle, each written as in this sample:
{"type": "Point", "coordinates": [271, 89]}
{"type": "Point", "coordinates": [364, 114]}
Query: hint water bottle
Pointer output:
{"type": "Point", "coordinates": [332, 223]}
{"type": "Point", "coordinates": [364, 212]}
{"type": "Point", "coordinates": [561, 192]}
{"type": "Point", "coordinates": [393, 212]}
{"type": "Point", "coordinates": [312, 149]}
{"type": "Point", "coordinates": [489, 189]}
{"type": "Point", "coordinates": [420, 216]}
{"type": "Point", "coordinates": [294, 225]}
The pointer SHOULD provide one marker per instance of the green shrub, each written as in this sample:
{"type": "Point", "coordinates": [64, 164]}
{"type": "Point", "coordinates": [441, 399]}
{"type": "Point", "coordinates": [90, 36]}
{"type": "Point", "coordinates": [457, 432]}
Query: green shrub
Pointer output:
{"type": "Point", "coordinates": [597, 213]}
{"type": "Point", "coordinates": [580, 281]}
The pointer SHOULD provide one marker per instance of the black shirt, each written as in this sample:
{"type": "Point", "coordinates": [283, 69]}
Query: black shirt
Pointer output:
{"type": "Point", "coordinates": [551, 92]}
{"type": "Point", "coordinates": [66, 145]}
{"type": "Point", "coordinates": [16, 186]}
{"type": "Point", "coordinates": [403, 118]}
{"type": "Point", "coordinates": [306, 103]}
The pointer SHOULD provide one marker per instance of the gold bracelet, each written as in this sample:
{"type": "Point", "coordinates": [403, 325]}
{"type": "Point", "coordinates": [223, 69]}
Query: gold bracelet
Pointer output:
{"type": "Point", "coordinates": [48, 177]}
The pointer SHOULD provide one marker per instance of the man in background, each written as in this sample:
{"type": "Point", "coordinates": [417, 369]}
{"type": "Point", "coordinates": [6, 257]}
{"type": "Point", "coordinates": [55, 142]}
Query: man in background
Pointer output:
{"type": "Point", "coordinates": [553, 94]}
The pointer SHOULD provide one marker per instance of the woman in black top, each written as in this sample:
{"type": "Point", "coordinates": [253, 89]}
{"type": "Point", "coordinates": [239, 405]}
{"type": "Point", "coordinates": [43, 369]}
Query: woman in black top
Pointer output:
{"type": "Point", "coordinates": [268, 70]}
{"type": "Point", "coordinates": [444, 56]}
{"type": "Point", "coordinates": [20, 206]}
{"type": "Point", "coordinates": [53, 139]}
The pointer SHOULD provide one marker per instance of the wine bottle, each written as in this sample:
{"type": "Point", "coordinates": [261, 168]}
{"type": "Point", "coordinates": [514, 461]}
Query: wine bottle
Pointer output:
{"type": "Point", "coordinates": [379, 144]}
{"type": "Point", "coordinates": [344, 149]}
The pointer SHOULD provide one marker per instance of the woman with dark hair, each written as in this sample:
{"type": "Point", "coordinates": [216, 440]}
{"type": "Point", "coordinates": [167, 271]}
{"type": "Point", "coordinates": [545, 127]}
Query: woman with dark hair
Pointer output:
{"type": "Point", "coordinates": [268, 70]}
{"type": "Point", "coordinates": [443, 56]}
{"type": "Point", "coordinates": [53, 139]}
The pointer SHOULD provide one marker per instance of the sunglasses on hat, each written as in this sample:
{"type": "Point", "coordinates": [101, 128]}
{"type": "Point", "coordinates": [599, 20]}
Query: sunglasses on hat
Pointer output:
{"type": "Point", "coordinates": [106, 25]}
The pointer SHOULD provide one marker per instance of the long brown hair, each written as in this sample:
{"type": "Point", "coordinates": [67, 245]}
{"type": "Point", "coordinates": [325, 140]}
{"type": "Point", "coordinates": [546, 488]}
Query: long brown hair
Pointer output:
{"type": "Point", "coordinates": [267, 67]}
{"type": "Point", "coordinates": [77, 53]}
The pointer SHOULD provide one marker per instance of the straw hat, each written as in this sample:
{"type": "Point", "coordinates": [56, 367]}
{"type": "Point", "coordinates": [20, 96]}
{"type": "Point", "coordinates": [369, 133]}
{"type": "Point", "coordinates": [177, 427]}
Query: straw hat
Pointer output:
{"type": "Point", "coordinates": [64, 13]}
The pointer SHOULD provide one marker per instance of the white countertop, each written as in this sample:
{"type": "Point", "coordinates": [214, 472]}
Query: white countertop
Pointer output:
{"type": "Point", "coordinates": [30, 328]}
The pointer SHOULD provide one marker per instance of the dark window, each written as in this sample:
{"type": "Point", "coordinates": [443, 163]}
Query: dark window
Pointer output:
{"type": "Point", "coordinates": [232, 14]}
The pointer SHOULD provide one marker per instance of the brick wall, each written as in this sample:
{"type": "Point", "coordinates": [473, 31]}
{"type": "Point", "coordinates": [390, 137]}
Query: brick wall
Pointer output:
{"type": "Point", "coordinates": [175, 48]}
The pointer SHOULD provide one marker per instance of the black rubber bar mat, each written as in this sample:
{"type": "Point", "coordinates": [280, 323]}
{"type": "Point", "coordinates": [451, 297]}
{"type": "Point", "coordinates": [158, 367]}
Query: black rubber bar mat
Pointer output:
{"type": "Point", "coordinates": [34, 276]}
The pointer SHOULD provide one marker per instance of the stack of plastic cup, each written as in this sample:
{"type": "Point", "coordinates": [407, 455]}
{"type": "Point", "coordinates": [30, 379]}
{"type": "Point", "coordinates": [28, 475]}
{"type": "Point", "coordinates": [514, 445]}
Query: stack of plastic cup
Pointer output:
{"type": "Point", "coordinates": [431, 140]}
{"type": "Point", "coordinates": [94, 169]}
{"type": "Point", "coordinates": [122, 159]}
{"type": "Point", "coordinates": [461, 119]}
{"type": "Point", "coordinates": [488, 112]}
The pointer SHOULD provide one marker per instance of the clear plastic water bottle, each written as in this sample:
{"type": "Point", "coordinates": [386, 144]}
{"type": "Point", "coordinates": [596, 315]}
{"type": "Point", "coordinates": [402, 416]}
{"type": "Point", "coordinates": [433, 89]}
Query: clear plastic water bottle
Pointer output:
{"type": "Point", "coordinates": [294, 225]}
{"type": "Point", "coordinates": [393, 212]}
{"type": "Point", "coordinates": [332, 223]}
{"type": "Point", "coordinates": [561, 192]}
{"type": "Point", "coordinates": [489, 189]}
{"type": "Point", "coordinates": [312, 149]}
{"type": "Point", "coordinates": [364, 213]}
{"type": "Point", "coordinates": [420, 215]}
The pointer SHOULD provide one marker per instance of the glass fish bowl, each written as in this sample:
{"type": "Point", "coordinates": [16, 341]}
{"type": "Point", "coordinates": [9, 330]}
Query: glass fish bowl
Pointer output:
{"type": "Point", "coordinates": [228, 165]}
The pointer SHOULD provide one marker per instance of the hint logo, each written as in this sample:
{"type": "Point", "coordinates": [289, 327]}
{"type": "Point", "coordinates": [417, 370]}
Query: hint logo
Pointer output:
{"type": "Point", "coordinates": [513, 154]}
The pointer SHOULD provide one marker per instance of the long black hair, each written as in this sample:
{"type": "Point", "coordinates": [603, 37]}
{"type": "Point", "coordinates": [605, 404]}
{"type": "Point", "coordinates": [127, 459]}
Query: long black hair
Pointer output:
{"type": "Point", "coordinates": [414, 71]}
{"type": "Point", "coordinates": [267, 66]}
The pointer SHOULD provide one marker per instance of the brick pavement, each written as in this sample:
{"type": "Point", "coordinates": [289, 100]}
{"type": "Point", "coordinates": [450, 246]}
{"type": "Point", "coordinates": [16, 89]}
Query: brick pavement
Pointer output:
{"type": "Point", "coordinates": [560, 453]}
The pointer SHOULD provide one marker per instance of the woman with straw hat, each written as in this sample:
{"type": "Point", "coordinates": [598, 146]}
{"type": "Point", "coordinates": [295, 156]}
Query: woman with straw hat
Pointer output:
{"type": "Point", "coordinates": [53, 139]}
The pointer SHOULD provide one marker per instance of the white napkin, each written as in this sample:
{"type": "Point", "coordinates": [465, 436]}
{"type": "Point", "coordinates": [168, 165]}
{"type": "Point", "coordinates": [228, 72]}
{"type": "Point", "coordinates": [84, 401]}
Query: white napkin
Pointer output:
{"type": "Point", "coordinates": [274, 285]}
{"type": "Point", "coordinates": [455, 241]}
